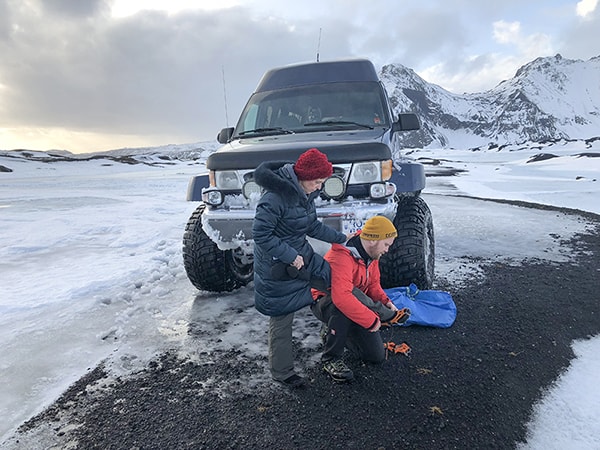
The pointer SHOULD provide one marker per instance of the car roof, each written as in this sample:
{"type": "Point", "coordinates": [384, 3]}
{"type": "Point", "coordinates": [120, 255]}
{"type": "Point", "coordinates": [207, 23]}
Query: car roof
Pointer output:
{"type": "Point", "coordinates": [317, 73]}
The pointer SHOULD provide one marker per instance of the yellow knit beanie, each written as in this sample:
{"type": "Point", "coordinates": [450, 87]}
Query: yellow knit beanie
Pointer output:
{"type": "Point", "coordinates": [378, 228]}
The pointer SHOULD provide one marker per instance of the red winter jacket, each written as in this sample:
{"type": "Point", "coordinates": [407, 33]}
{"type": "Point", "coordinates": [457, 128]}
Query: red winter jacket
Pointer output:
{"type": "Point", "coordinates": [349, 270]}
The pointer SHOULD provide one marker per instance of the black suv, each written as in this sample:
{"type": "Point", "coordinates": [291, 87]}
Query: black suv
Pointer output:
{"type": "Point", "coordinates": [341, 108]}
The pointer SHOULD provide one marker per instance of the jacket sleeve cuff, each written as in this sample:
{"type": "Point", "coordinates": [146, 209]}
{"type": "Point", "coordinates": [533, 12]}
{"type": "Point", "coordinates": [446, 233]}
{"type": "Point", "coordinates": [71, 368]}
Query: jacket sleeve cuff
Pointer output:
{"type": "Point", "coordinates": [374, 324]}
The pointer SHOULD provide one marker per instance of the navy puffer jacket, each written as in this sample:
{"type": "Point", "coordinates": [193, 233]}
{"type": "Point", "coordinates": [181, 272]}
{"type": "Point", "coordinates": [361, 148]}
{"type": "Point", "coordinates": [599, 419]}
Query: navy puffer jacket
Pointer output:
{"type": "Point", "coordinates": [285, 216]}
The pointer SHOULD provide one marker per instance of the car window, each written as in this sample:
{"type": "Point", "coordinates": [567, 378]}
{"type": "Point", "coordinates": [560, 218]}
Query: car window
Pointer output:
{"type": "Point", "coordinates": [294, 108]}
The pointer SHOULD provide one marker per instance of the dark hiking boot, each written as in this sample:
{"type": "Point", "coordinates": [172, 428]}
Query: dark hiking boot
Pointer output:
{"type": "Point", "coordinates": [338, 370]}
{"type": "Point", "coordinates": [398, 318]}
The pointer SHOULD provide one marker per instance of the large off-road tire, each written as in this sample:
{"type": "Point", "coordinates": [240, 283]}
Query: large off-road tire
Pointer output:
{"type": "Point", "coordinates": [208, 267]}
{"type": "Point", "coordinates": [411, 258]}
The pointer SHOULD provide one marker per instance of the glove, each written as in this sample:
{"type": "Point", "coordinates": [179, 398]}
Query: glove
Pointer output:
{"type": "Point", "coordinates": [303, 274]}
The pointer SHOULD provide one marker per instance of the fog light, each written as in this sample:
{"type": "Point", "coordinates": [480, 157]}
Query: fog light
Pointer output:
{"type": "Point", "coordinates": [334, 187]}
{"type": "Point", "coordinates": [382, 190]}
{"type": "Point", "coordinates": [251, 189]}
{"type": "Point", "coordinates": [212, 197]}
{"type": "Point", "coordinates": [377, 190]}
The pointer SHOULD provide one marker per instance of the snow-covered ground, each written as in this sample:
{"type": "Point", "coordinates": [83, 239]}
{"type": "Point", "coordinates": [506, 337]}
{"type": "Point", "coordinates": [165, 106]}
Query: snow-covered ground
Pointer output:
{"type": "Point", "coordinates": [91, 267]}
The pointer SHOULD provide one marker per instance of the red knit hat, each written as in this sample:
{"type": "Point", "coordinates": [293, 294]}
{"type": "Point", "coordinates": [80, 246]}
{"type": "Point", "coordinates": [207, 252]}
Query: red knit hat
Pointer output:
{"type": "Point", "coordinates": [313, 165]}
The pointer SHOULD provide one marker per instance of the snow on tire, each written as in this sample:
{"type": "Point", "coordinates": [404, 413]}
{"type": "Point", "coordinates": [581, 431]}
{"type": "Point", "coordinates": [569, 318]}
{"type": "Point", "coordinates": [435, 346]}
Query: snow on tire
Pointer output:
{"type": "Point", "coordinates": [208, 267]}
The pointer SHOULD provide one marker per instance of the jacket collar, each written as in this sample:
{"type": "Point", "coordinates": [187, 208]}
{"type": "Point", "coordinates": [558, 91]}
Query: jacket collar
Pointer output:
{"type": "Point", "coordinates": [355, 246]}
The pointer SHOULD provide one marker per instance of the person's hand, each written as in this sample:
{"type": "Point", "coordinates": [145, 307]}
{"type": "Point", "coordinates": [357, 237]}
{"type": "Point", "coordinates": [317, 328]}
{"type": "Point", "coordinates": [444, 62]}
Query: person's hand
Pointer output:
{"type": "Point", "coordinates": [392, 306]}
{"type": "Point", "coordinates": [298, 262]}
{"type": "Point", "coordinates": [350, 236]}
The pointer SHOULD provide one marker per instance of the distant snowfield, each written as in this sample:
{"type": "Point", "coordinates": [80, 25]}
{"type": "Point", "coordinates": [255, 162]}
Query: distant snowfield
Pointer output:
{"type": "Point", "coordinates": [91, 266]}
{"type": "Point", "coordinates": [566, 174]}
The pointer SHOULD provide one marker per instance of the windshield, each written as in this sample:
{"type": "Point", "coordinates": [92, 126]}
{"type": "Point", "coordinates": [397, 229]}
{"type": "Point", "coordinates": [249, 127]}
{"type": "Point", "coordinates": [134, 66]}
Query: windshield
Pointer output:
{"type": "Point", "coordinates": [314, 107]}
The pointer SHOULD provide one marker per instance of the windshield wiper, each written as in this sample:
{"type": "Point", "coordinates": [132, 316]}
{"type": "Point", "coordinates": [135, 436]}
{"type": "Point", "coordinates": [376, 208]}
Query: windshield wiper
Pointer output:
{"type": "Point", "coordinates": [337, 122]}
{"type": "Point", "coordinates": [266, 130]}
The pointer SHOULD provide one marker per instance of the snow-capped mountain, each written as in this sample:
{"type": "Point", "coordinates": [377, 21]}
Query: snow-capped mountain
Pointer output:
{"type": "Point", "coordinates": [548, 99]}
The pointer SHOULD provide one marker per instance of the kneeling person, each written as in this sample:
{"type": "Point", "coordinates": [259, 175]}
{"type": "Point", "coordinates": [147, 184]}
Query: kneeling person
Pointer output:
{"type": "Point", "coordinates": [357, 306]}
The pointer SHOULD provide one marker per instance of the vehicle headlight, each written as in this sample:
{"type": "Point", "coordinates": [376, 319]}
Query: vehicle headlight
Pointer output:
{"type": "Point", "coordinates": [212, 197]}
{"type": "Point", "coordinates": [367, 172]}
{"type": "Point", "coordinates": [227, 179]}
{"type": "Point", "coordinates": [250, 189]}
{"type": "Point", "coordinates": [334, 187]}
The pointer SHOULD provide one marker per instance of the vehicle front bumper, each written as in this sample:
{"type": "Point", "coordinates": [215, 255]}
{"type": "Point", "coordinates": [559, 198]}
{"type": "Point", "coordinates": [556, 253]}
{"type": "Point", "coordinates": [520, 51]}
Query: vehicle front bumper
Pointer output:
{"type": "Point", "coordinates": [232, 228]}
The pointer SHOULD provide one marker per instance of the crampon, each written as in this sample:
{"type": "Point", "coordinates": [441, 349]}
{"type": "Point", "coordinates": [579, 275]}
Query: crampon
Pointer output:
{"type": "Point", "coordinates": [392, 347]}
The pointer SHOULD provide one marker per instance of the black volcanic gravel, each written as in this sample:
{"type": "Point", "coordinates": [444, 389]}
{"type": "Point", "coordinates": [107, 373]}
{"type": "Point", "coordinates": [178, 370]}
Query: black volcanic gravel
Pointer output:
{"type": "Point", "coordinates": [469, 386]}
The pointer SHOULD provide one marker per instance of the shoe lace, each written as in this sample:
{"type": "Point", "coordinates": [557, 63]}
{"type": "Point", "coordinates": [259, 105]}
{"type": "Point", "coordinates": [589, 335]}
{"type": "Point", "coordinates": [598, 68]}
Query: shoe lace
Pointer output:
{"type": "Point", "coordinates": [338, 366]}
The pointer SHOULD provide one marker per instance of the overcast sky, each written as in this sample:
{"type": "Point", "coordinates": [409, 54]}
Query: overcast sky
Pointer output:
{"type": "Point", "coordinates": [90, 75]}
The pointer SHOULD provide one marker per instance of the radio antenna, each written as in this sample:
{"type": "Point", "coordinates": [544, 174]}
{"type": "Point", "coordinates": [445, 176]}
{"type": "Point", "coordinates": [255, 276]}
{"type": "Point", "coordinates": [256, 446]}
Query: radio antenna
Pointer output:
{"type": "Point", "coordinates": [224, 95]}
{"type": "Point", "coordinates": [319, 44]}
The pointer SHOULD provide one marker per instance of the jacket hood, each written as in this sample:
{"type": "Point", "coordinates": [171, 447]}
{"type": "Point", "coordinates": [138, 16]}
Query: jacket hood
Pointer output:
{"type": "Point", "coordinates": [356, 249]}
{"type": "Point", "coordinates": [279, 176]}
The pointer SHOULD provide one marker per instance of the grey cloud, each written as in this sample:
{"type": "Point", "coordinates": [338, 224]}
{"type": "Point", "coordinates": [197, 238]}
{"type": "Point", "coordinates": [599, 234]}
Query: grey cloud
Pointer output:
{"type": "Point", "coordinates": [581, 39]}
{"type": "Point", "coordinates": [68, 64]}
{"type": "Point", "coordinates": [75, 8]}
{"type": "Point", "coordinates": [433, 35]}
{"type": "Point", "coordinates": [147, 73]}
{"type": "Point", "coordinates": [5, 20]}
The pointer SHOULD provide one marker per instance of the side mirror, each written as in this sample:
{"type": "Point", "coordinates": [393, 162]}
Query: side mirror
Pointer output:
{"type": "Point", "coordinates": [224, 135]}
{"type": "Point", "coordinates": [407, 122]}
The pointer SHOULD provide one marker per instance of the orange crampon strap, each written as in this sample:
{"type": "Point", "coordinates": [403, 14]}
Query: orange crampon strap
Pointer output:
{"type": "Point", "coordinates": [397, 348]}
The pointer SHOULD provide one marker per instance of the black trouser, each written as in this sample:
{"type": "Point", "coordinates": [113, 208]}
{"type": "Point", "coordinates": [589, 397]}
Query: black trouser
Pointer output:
{"type": "Point", "coordinates": [344, 333]}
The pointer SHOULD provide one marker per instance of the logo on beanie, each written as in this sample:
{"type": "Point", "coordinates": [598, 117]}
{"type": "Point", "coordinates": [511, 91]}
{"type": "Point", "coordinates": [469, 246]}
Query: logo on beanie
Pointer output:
{"type": "Point", "coordinates": [378, 237]}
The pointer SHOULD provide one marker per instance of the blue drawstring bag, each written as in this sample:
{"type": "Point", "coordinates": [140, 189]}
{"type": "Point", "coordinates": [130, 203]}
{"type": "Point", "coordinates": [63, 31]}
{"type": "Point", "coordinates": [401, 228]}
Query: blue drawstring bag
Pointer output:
{"type": "Point", "coordinates": [428, 308]}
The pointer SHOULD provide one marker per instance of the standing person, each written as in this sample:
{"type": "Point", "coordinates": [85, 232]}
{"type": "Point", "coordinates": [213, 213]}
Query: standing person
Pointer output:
{"type": "Point", "coordinates": [357, 306]}
{"type": "Point", "coordinates": [285, 264]}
